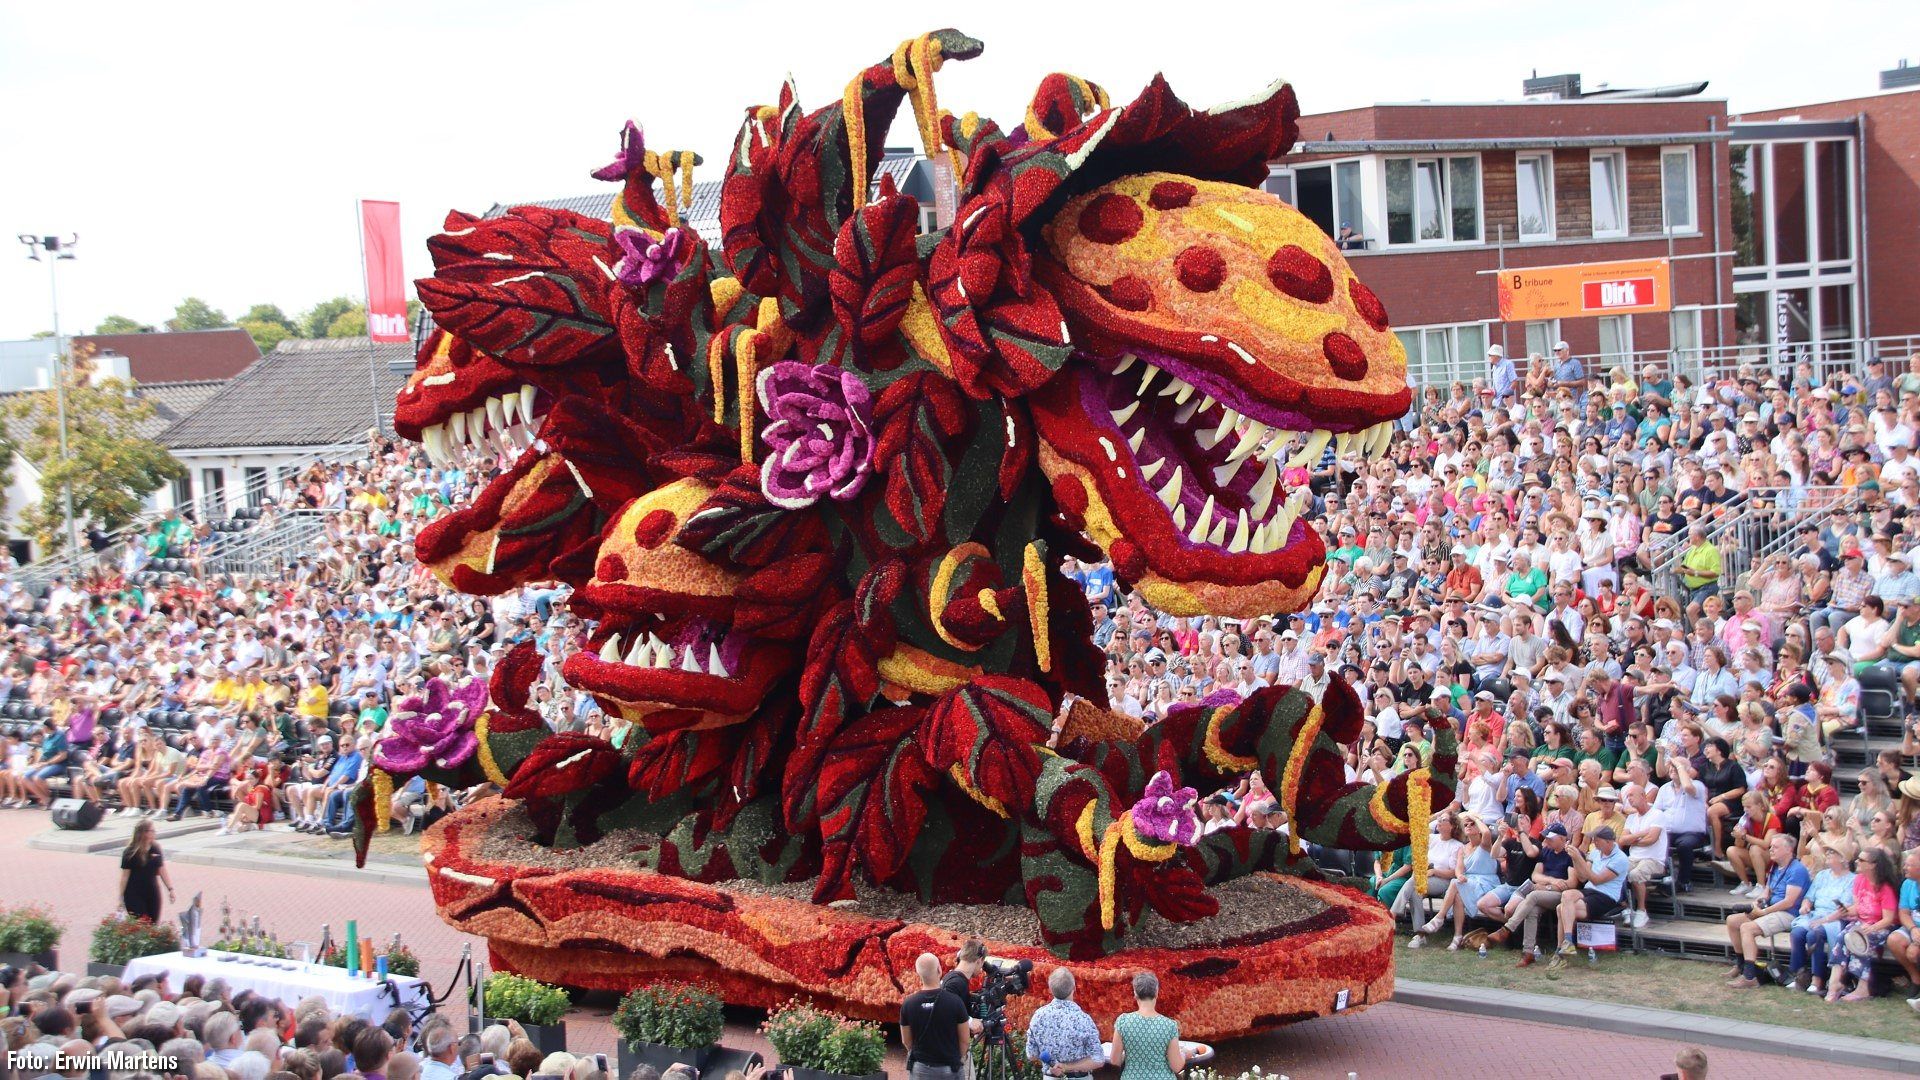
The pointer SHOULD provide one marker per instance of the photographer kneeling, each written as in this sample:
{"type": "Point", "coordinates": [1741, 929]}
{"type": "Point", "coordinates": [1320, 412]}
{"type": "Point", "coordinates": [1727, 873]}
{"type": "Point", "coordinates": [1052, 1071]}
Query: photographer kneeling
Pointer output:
{"type": "Point", "coordinates": [933, 1025]}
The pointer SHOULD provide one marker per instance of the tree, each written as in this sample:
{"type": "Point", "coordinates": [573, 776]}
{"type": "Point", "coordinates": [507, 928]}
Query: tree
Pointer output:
{"type": "Point", "coordinates": [120, 324]}
{"type": "Point", "coordinates": [314, 323]}
{"type": "Point", "coordinates": [196, 314]}
{"type": "Point", "coordinates": [109, 465]}
{"type": "Point", "coordinates": [350, 323]}
{"type": "Point", "coordinates": [268, 326]}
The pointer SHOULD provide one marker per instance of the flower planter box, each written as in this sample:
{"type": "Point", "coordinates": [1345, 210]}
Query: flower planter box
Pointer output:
{"type": "Point", "coordinates": [798, 1073]}
{"type": "Point", "coordinates": [549, 1038]}
{"type": "Point", "coordinates": [94, 967]}
{"type": "Point", "coordinates": [49, 959]}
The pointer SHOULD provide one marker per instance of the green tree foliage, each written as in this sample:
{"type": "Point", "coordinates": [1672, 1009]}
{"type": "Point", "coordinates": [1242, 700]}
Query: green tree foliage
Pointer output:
{"type": "Point", "coordinates": [111, 467]}
{"type": "Point", "coordinates": [120, 324]}
{"type": "Point", "coordinates": [350, 323]}
{"type": "Point", "coordinates": [316, 320]}
{"type": "Point", "coordinates": [196, 314]}
{"type": "Point", "coordinates": [267, 325]}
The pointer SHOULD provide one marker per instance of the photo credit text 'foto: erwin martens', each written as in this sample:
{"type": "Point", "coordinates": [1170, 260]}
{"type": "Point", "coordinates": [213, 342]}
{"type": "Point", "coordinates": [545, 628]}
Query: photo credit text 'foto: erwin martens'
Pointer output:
{"type": "Point", "coordinates": [42, 1059]}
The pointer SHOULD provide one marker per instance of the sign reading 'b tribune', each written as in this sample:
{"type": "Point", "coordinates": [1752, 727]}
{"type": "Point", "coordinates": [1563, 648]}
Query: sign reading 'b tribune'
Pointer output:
{"type": "Point", "coordinates": [1631, 287]}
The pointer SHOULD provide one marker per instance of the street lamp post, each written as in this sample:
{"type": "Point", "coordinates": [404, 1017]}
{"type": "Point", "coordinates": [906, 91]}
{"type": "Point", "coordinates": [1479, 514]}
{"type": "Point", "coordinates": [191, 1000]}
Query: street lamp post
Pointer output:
{"type": "Point", "coordinates": [58, 250]}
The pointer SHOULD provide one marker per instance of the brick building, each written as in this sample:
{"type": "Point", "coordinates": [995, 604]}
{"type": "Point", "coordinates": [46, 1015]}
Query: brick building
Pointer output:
{"type": "Point", "coordinates": [1438, 195]}
{"type": "Point", "coordinates": [1826, 200]}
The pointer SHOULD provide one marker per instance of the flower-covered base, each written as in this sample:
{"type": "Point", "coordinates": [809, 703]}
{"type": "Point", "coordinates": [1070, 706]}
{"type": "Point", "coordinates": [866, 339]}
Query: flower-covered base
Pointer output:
{"type": "Point", "coordinates": [614, 928]}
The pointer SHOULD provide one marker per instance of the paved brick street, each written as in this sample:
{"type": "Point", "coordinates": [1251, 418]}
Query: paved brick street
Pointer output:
{"type": "Point", "coordinates": [1383, 1042]}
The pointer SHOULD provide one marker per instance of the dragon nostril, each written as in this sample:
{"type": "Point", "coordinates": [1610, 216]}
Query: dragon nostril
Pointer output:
{"type": "Point", "coordinates": [1110, 219]}
{"type": "Point", "coordinates": [611, 568]}
{"type": "Point", "coordinates": [1129, 293]}
{"type": "Point", "coordinates": [1200, 268]}
{"type": "Point", "coordinates": [1367, 304]}
{"type": "Point", "coordinates": [1348, 359]}
{"type": "Point", "coordinates": [654, 528]}
{"type": "Point", "coordinates": [1170, 195]}
{"type": "Point", "coordinates": [1296, 272]}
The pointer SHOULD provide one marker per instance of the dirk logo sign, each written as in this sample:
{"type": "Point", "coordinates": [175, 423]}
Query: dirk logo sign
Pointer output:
{"type": "Point", "coordinates": [1607, 295]}
{"type": "Point", "coordinates": [386, 284]}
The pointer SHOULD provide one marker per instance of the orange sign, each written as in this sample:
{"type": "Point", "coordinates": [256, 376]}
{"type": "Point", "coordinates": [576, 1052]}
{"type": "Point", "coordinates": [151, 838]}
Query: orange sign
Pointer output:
{"type": "Point", "coordinates": [1630, 287]}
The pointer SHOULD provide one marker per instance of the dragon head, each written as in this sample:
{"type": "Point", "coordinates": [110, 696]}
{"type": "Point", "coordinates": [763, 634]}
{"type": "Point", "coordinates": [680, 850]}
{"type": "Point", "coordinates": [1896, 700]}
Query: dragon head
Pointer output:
{"type": "Point", "coordinates": [667, 652]}
{"type": "Point", "coordinates": [1222, 344]}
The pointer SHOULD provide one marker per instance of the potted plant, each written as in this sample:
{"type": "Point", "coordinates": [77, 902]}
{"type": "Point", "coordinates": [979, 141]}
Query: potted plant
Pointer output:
{"type": "Point", "coordinates": [400, 959]}
{"type": "Point", "coordinates": [29, 935]}
{"type": "Point", "coordinates": [121, 939]}
{"type": "Point", "coordinates": [818, 1045]}
{"type": "Point", "coordinates": [537, 1007]}
{"type": "Point", "coordinates": [667, 1024]}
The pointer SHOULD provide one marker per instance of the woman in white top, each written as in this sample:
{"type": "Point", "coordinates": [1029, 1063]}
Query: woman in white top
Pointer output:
{"type": "Point", "coordinates": [1442, 848]}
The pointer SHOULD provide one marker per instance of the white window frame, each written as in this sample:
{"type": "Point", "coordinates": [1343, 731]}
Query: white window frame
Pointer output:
{"type": "Point", "coordinates": [1552, 335]}
{"type": "Point", "coordinates": [1624, 358]}
{"type": "Point", "coordinates": [1543, 160]}
{"type": "Point", "coordinates": [1620, 197]}
{"type": "Point", "coordinates": [1464, 368]}
{"type": "Point", "coordinates": [1692, 227]}
{"type": "Point", "coordinates": [1443, 162]}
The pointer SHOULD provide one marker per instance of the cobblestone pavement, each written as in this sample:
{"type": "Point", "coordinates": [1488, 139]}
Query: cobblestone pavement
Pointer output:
{"type": "Point", "coordinates": [1386, 1041]}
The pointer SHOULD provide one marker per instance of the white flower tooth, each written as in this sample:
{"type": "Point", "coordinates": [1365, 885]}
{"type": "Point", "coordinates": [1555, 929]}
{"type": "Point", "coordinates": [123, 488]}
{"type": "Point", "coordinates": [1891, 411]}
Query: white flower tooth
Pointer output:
{"type": "Point", "coordinates": [457, 428]}
{"type": "Point", "coordinates": [1179, 517]}
{"type": "Point", "coordinates": [1342, 443]}
{"type": "Point", "coordinates": [1239, 542]}
{"type": "Point", "coordinates": [1199, 533]}
{"type": "Point", "coordinates": [1185, 412]}
{"type": "Point", "coordinates": [1250, 440]}
{"type": "Point", "coordinates": [1146, 380]}
{"type": "Point", "coordinates": [610, 652]}
{"type": "Point", "coordinates": [1210, 439]}
{"type": "Point", "coordinates": [1206, 402]}
{"type": "Point", "coordinates": [1151, 469]}
{"type": "Point", "coordinates": [1259, 545]}
{"type": "Point", "coordinates": [689, 662]}
{"type": "Point", "coordinates": [527, 392]}
{"type": "Point", "coordinates": [662, 654]}
{"type": "Point", "coordinates": [714, 666]}
{"type": "Point", "coordinates": [640, 653]}
{"type": "Point", "coordinates": [1126, 361]}
{"type": "Point", "coordinates": [434, 439]}
{"type": "Point", "coordinates": [510, 408]}
{"type": "Point", "coordinates": [1224, 474]}
{"type": "Point", "coordinates": [1218, 537]}
{"type": "Point", "coordinates": [1174, 385]}
{"type": "Point", "coordinates": [477, 426]}
{"type": "Point", "coordinates": [1277, 445]}
{"type": "Point", "coordinates": [1135, 440]}
{"type": "Point", "coordinates": [1382, 438]}
{"type": "Point", "coordinates": [1186, 391]}
{"type": "Point", "coordinates": [1170, 494]}
{"type": "Point", "coordinates": [1311, 450]}
{"type": "Point", "coordinates": [1262, 491]}
{"type": "Point", "coordinates": [1122, 415]}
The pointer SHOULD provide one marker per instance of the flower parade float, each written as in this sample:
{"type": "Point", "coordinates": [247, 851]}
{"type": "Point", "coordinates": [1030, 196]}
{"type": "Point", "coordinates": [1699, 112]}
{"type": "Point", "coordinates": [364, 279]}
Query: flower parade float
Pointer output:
{"type": "Point", "coordinates": [812, 487]}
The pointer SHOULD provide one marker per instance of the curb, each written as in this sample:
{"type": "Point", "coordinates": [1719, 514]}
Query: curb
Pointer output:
{"type": "Point", "coordinates": [319, 868]}
{"type": "Point", "coordinates": [1849, 1050]}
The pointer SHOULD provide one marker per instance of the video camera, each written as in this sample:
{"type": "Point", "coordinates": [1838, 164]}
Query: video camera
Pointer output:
{"type": "Point", "coordinates": [1002, 979]}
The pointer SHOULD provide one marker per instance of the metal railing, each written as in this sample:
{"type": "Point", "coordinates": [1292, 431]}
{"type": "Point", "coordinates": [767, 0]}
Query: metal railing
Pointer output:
{"type": "Point", "coordinates": [38, 576]}
{"type": "Point", "coordinates": [281, 539]}
{"type": "Point", "coordinates": [1829, 359]}
{"type": "Point", "coordinates": [1755, 525]}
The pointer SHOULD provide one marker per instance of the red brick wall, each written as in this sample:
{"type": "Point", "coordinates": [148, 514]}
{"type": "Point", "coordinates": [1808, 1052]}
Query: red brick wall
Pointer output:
{"type": "Point", "coordinates": [1890, 160]}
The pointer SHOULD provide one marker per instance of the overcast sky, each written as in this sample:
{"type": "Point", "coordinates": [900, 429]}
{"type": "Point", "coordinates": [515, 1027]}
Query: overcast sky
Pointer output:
{"type": "Point", "coordinates": [217, 149]}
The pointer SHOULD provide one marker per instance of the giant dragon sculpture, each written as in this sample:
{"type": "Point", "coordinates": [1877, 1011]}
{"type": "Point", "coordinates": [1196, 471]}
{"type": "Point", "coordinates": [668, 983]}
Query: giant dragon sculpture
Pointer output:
{"type": "Point", "coordinates": [812, 489]}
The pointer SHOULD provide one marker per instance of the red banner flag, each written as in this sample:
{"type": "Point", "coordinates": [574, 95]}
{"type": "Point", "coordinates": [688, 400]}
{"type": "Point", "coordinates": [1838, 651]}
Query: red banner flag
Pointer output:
{"type": "Point", "coordinates": [386, 284]}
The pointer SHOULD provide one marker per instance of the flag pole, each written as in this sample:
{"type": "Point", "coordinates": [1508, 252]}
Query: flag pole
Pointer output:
{"type": "Point", "coordinates": [366, 302]}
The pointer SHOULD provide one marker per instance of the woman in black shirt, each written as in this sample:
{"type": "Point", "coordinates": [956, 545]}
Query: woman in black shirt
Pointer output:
{"type": "Point", "coordinates": [1726, 782]}
{"type": "Point", "coordinates": [142, 872]}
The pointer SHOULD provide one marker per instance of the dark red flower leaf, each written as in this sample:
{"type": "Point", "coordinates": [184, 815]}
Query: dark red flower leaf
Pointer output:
{"type": "Point", "coordinates": [564, 762]}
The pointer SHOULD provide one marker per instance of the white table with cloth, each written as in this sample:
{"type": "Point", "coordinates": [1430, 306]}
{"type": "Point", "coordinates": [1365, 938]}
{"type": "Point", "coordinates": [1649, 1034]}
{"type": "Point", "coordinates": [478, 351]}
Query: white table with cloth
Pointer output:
{"type": "Point", "coordinates": [288, 984]}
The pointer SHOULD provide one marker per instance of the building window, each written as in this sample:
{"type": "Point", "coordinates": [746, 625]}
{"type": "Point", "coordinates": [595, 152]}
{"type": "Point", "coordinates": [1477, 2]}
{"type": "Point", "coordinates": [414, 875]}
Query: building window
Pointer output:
{"type": "Point", "coordinates": [256, 493]}
{"type": "Point", "coordinates": [1608, 170]}
{"type": "Point", "coordinates": [1329, 195]}
{"type": "Point", "coordinates": [1677, 190]}
{"type": "Point", "coordinates": [929, 219]}
{"type": "Point", "coordinates": [1442, 355]}
{"type": "Point", "coordinates": [1684, 324]}
{"type": "Point", "coordinates": [1433, 200]}
{"type": "Point", "coordinates": [213, 488]}
{"type": "Point", "coordinates": [1542, 335]}
{"type": "Point", "coordinates": [1533, 174]}
{"type": "Point", "coordinates": [183, 490]}
{"type": "Point", "coordinates": [1281, 184]}
{"type": "Point", "coordinates": [1616, 341]}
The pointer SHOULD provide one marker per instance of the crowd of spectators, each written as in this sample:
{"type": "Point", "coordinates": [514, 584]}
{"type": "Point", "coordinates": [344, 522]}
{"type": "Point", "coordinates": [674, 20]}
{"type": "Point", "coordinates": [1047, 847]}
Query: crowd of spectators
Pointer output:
{"type": "Point", "coordinates": [1540, 559]}
{"type": "Point", "coordinates": [53, 1025]}
{"type": "Point", "coordinates": [272, 688]}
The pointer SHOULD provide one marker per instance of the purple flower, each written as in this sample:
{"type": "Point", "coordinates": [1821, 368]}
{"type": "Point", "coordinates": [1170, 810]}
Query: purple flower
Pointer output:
{"type": "Point", "coordinates": [434, 729]}
{"type": "Point", "coordinates": [1166, 813]}
{"type": "Point", "coordinates": [819, 430]}
{"type": "Point", "coordinates": [645, 258]}
{"type": "Point", "coordinates": [633, 151]}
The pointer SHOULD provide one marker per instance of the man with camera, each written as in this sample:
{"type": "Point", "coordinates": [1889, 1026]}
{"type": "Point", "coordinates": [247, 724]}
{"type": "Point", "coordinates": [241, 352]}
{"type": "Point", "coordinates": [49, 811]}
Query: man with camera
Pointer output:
{"type": "Point", "coordinates": [934, 1025]}
{"type": "Point", "coordinates": [966, 968]}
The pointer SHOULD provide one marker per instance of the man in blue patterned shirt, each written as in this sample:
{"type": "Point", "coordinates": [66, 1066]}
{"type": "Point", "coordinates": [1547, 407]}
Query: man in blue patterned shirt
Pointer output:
{"type": "Point", "coordinates": [1062, 1035]}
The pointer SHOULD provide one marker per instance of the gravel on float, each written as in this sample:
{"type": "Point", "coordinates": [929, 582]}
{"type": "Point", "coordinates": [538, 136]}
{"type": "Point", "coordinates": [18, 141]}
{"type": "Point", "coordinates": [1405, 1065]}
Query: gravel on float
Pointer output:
{"type": "Point", "coordinates": [1248, 905]}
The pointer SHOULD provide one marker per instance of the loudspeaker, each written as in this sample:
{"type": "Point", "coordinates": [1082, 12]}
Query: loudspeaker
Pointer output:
{"type": "Point", "coordinates": [79, 814]}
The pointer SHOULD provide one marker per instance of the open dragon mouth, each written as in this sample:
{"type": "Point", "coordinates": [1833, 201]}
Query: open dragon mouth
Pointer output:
{"type": "Point", "coordinates": [1225, 467]}
{"type": "Point", "coordinates": [692, 662]}
{"type": "Point", "coordinates": [508, 420]}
